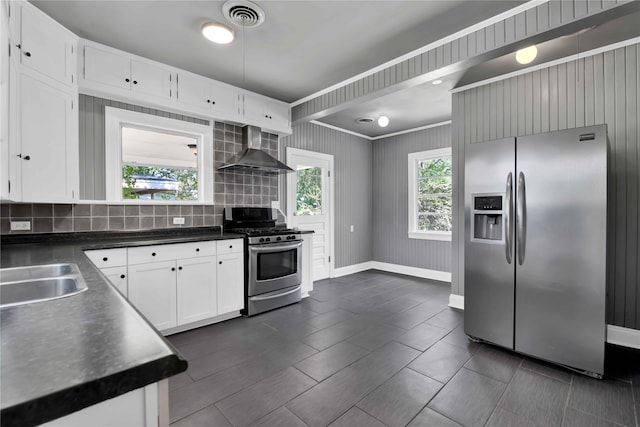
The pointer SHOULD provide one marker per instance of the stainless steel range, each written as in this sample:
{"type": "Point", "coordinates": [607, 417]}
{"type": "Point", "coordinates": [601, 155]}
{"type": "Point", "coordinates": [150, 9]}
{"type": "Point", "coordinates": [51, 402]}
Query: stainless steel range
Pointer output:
{"type": "Point", "coordinates": [273, 258]}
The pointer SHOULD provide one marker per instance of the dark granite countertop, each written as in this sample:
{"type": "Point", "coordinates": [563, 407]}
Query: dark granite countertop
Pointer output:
{"type": "Point", "coordinates": [63, 355]}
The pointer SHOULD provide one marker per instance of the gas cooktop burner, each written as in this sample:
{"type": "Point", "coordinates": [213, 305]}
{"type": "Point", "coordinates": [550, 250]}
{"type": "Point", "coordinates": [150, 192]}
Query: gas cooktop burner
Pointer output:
{"type": "Point", "coordinates": [269, 231]}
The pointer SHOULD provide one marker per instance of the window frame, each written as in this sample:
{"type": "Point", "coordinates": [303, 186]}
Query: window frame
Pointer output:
{"type": "Point", "coordinates": [413, 159]}
{"type": "Point", "coordinates": [116, 118]}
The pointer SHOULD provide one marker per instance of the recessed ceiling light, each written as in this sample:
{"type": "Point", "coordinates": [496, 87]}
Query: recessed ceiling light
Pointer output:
{"type": "Point", "coordinates": [526, 55]}
{"type": "Point", "coordinates": [383, 121]}
{"type": "Point", "coordinates": [436, 82]}
{"type": "Point", "coordinates": [217, 33]}
{"type": "Point", "coordinates": [365, 120]}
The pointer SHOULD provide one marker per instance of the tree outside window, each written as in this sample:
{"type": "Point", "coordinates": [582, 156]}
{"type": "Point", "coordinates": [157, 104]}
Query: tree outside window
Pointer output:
{"type": "Point", "coordinates": [430, 194]}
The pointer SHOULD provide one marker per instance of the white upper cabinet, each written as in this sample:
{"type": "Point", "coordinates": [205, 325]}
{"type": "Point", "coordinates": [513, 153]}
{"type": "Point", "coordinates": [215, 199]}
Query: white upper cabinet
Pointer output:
{"type": "Point", "coordinates": [114, 74]}
{"type": "Point", "coordinates": [43, 45]}
{"type": "Point", "coordinates": [104, 68]}
{"type": "Point", "coordinates": [47, 146]}
{"type": "Point", "coordinates": [267, 113]}
{"type": "Point", "coordinates": [221, 100]}
{"type": "Point", "coordinates": [41, 132]}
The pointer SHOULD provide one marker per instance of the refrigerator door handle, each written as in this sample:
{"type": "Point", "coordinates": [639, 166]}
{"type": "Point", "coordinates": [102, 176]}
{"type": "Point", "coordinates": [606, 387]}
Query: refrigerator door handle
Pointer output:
{"type": "Point", "coordinates": [521, 218]}
{"type": "Point", "coordinates": [507, 218]}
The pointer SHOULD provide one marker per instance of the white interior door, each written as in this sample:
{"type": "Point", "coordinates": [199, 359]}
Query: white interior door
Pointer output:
{"type": "Point", "coordinates": [310, 203]}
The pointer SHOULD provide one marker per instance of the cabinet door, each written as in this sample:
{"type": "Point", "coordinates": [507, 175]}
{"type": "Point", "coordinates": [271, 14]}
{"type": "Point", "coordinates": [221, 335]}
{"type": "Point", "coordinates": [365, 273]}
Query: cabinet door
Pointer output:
{"type": "Point", "coordinates": [230, 274]}
{"type": "Point", "coordinates": [118, 277]}
{"type": "Point", "coordinates": [253, 109]}
{"type": "Point", "coordinates": [48, 153]}
{"type": "Point", "coordinates": [196, 289]}
{"type": "Point", "coordinates": [193, 91]}
{"type": "Point", "coordinates": [149, 79]}
{"type": "Point", "coordinates": [224, 100]}
{"type": "Point", "coordinates": [152, 289]}
{"type": "Point", "coordinates": [44, 46]}
{"type": "Point", "coordinates": [108, 68]}
{"type": "Point", "coordinates": [277, 114]}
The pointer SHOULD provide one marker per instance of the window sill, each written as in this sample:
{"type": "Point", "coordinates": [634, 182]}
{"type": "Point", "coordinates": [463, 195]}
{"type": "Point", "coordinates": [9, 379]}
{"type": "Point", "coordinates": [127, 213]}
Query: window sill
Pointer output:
{"type": "Point", "coordinates": [446, 237]}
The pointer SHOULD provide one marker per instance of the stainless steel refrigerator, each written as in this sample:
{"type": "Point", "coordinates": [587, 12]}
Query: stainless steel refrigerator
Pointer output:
{"type": "Point", "coordinates": [535, 245]}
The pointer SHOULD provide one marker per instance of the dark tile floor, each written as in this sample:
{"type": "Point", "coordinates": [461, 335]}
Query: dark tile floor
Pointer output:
{"type": "Point", "coordinates": [376, 349]}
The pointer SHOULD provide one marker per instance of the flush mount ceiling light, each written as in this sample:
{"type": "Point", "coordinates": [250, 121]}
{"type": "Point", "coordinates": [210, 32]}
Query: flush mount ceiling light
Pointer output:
{"type": "Point", "coordinates": [365, 120]}
{"type": "Point", "coordinates": [217, 33]}
{"type": "Point", "coordinates": [383, 121]}
{"type": "Point", "coordinates": [526, 55]}
{"type": "Point", "coordinates": [436, 82]}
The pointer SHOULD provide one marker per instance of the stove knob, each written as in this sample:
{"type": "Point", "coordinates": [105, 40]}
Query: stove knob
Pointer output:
{"type": "Point", "coordinates": [261, 239]}
{"type": "Point", "coordinates": [279, 238]}
{"type": "Point", "coordinates": [267, 239]}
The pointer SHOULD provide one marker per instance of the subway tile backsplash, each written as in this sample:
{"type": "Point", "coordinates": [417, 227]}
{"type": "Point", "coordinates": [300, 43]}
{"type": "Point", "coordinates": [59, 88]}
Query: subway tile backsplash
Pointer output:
{"type": "Point", "coordinates": [231, 188]}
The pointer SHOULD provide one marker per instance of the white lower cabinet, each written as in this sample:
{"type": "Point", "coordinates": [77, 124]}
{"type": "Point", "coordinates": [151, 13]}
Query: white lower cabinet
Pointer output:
{"type": "Point", "coordinates": [196, 288]}
{"type": "Point", "coordinates": [138, 408]}
{"type": "Point", "coordinates": [118, 277]}
{"type": "Point", "coordinates": [178, 286]}
{"type": "Point", "coordinates": [230, 273]}
{"type": "Point", "coordinates": [152, 289]}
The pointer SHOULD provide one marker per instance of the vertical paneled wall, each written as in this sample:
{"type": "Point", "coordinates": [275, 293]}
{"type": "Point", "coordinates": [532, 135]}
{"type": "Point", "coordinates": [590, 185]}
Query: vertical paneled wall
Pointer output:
{"type": "Point", "coordinates": [602, 88]}
{"type": "Point", "coordinates": [391, 243]}
{"type": "Point", "coordinates": [536, 20]}
{"type": "Point", "coordinates": [353, 178]}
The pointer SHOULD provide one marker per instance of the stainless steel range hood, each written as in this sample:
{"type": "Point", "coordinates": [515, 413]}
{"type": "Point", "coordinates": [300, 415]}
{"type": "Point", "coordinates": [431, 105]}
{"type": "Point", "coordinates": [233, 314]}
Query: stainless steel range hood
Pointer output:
{"type": "Point", "coordinates": [253, 157]}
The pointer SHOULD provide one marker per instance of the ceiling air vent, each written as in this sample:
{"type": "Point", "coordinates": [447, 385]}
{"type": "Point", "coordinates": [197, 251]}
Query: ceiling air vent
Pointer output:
{"type": "Point", "coordinates": [243, 13]}
{"type": "Point", "coordinates": [365, 120]}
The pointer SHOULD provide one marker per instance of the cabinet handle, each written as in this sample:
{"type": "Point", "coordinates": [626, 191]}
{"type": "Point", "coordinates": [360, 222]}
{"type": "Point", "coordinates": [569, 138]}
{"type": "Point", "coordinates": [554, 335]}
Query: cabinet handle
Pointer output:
{"type": "Point", "coordinates": [208, 101]}
{"type": "Point", "coordinates": [135, 82]}
{"type": "Point", "coordinates": [230, 246]}
{"type": "Point", "coordinates": [105, 259]}
{"type": "Point", "coordinates": [122, 276]}
{"type": "Point", "coordinates": [27, 157]}
{"type": "Point", "coordinates": [27, 54]}
{"type": "Point", "coordinates": [153, 254]}
{"type": "Point", "coordinates": [213, 102]}
{"type": "Point", "coordinates": [179, 268]}
{"type": "Point", "coordinates": [219, 262]}
{"type": "Point", "coordinates": [173, 269]}
{"type": "Point", "coordinates": [197, 249]}
{"type": "Point", "coordinates": [127, 80]}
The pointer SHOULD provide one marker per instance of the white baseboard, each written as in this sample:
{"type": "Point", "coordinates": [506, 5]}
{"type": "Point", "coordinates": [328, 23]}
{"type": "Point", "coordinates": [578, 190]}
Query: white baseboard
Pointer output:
{"type": "Point", "coordinates": [424, 273]}
{"type": "Point", "coordinates": [351, 269]}
{"type": "Point", "coordinates": [200, 323]}
{"type": "Point", "coordinates": [456, 301]}
{"type": "Point", "coordinates": [617, 335]}
{"type": "Point", "coordinates": [623, 336]}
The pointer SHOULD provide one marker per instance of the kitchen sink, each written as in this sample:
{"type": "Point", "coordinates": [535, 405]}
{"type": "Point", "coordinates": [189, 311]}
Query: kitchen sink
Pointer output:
{"type": "Point", "coordinates": [25, 285]}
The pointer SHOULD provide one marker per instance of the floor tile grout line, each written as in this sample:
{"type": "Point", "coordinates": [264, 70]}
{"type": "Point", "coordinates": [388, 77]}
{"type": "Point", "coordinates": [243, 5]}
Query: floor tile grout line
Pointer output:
{"type": "Point", "coordinates": [566, 401]}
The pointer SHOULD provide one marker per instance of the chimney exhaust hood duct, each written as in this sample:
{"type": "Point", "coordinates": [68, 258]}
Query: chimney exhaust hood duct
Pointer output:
{"type": "Point", "coordinates": [253, 157]}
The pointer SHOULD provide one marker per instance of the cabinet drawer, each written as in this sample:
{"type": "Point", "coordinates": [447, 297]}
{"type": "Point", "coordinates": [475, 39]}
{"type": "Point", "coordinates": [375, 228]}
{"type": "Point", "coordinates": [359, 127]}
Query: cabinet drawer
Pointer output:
{"type": "Point", "coordinates": [230, 246]}
{"type": "Point", "coordinates": [108, 257]}
{"type": "Point", "coordinates": [156, 253]}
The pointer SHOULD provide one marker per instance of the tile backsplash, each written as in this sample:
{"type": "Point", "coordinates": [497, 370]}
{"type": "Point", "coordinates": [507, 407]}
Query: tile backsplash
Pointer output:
{"type": "Point", "coordinates": [59, 218]}
{"type": "Point", "coordinates": [231, 188]}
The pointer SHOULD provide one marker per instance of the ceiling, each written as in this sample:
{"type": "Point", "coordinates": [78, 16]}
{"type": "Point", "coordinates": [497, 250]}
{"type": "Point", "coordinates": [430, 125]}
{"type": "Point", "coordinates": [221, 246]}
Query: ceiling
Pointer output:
{"type": "Point", "coordinates": [305, 46]}
{"type": "Point", "coordinates": [301, 48]}
{"type": "Point", "coordinates": [427, 104]}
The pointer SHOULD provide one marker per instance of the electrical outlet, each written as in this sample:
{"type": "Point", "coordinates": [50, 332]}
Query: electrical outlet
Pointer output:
{"type": "Point", "coordinates": [275, 204]}
{"type": "Point", "coordinates": [20, 225]}
{"type": "Point", "coordinates": [351, 228]}
{"type": "Point", "coordinates": [178, 220]}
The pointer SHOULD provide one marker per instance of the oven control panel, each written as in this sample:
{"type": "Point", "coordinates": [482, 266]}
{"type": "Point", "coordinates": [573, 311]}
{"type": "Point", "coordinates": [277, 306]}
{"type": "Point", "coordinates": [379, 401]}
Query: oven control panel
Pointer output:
{"type": "Point", "coordinates": [274, 239]}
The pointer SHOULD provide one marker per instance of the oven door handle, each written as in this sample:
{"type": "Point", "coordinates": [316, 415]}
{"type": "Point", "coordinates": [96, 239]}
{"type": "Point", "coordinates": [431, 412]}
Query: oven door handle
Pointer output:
{"type": "Point", "coordinates": [296, 289]}
{"type": "Point", "coordinates": [273, 247]}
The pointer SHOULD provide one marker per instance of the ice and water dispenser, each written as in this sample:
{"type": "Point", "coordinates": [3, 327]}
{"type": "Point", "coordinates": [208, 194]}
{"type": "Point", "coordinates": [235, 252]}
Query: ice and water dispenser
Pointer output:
{"type": "Point", "coordinates": [487, 218]}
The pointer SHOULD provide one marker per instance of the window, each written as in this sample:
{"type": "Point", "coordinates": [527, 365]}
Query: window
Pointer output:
{"type": "Point", "coordinates": [155, 159]}
{"type": "Point", "coordinates": [430, 198]}
{"type": "Point", "coordinates": [309, 191]}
